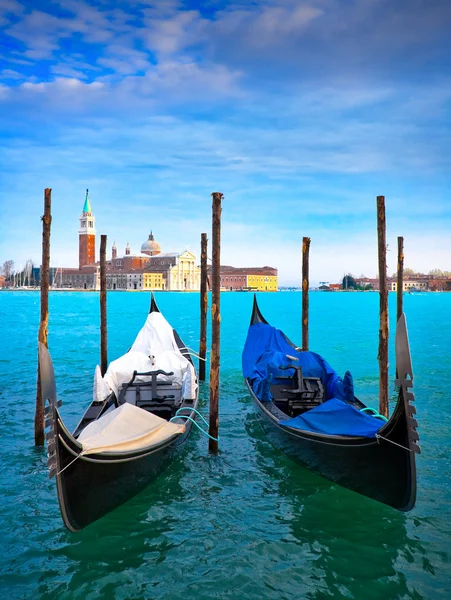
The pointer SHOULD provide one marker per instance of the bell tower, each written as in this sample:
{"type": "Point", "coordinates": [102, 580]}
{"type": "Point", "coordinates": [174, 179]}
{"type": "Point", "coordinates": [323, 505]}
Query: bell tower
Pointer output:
{"type": "Point", "coordinates": [87, 236]}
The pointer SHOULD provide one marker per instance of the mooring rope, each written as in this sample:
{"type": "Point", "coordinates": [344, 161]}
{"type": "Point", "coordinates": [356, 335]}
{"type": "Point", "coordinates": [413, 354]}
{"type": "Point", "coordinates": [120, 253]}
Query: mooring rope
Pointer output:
{"type": "Point", "coordinates": [194, 411]}
{"type": "Point", "coordinates": [193, 353]}
{"type": "Point", "coordinates": [391, 442]}
{"type": "Point", "coordinates": [375, 413]}
{"type": "Point", "coordinates": [177, 416]}
{"type": "Point", "coordinates": [71, 462]}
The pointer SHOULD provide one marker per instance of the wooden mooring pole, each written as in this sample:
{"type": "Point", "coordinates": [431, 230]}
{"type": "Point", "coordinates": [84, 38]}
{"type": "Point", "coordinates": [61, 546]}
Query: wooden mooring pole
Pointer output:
{"type": "Point", "coordinates": [203, 305]}
{"type": "Point", "coordinates": [103, 327]}
{"type": "Point", "coordinates": [400, 279]}
{"type": "Point", "coordinates": [43, 325]}
{"type": "Point", "coordinates": [383, 307]}
{"type": "Point", "coordinates": [305, 286]}
{"type": "Point", "coordinates": [215, 320]}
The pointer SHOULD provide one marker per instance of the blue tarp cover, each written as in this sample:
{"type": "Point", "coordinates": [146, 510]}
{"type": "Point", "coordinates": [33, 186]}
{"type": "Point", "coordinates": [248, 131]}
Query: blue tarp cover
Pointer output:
{"type": "Point", "coordinates": [335, 417]}
{"type": "Point", "coordinates": [266, 349]}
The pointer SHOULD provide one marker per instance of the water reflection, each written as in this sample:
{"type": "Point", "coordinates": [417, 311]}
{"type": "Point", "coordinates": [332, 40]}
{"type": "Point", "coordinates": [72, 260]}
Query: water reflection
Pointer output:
{"type": "Point", "coordinates": [139, 532]}
{"type": "Point", "coordinates": [352, 546]}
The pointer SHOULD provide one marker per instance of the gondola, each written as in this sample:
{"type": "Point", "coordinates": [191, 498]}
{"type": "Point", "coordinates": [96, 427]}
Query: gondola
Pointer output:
{"type": "Point", "coordinates": [140, 417]}
{"type": "Point", "coordinates": [313, 416]}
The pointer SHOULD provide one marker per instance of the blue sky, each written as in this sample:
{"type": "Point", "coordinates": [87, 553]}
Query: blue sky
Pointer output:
{"type": "Point", "coordinates": [301, 113]}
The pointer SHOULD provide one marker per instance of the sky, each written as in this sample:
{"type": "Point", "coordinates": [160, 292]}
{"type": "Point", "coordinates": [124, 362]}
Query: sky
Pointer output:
{"type": "Point", "coordinates": [300, 113]}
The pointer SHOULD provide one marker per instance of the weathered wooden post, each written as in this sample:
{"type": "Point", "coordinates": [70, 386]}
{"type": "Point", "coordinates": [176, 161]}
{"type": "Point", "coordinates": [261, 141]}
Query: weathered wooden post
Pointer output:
{"type": "Point", "coordinates": [103, 327]}
{"type": "Point", "coordinates": [43, 325]}
{"type": "Point", "coordinates": [305, 286]}
{"type": "Point", "coordinates": [400, 279]}
{"type": "Point", "coordinates": [215, 319]}
{"type": "Point", "coordinates": [203, 305]}
{"type": "Point", "coordinates": [383, 307]}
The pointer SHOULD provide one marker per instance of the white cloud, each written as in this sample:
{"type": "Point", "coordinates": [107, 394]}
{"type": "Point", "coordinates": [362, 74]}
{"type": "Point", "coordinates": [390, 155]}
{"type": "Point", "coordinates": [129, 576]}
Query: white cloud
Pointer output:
{"type": "Point", "coordinates": [166, 84]}
{"type": "Point", "coordinates": [10, 74]}
{"type": "Point", "coordinates": [170, 33]}
{"type": "Point", "coordinates": [123, 60]}
{"type": "Point", "coordinates": [9, 9]}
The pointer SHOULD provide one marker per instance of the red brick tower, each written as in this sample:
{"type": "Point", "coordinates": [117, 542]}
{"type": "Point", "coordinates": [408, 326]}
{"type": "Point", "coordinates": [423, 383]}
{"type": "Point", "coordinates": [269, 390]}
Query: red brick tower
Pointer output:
{"type": "Point", "coordinates": [87, 236]}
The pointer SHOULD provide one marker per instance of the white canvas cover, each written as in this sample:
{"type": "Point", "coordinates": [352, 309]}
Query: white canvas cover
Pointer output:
{"type": "Point", "coordinates": [189, 383]}
{"type": "Point", "coordinates": [100, 389]}
{"type": "Point", "coordinates": [154, 349]}
{"type": "Point", "coordinates": [155, 337]}
{"type": "Point", "coordinates": [121, 370]}
{"type": "Point", "coordinates": [126, 428]}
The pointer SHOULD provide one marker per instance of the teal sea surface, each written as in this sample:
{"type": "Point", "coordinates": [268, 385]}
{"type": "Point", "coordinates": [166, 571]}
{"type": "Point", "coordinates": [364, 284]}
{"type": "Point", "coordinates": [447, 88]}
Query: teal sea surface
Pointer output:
{"type": "Point", "coordinates": [248, 523]}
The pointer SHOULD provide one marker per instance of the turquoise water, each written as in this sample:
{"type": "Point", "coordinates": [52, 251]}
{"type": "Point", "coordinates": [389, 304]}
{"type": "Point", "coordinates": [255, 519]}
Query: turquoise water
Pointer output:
{"type": "Point", "coordinates": [248, 523]}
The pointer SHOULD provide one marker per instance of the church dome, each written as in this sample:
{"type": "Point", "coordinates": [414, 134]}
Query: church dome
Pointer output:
{"type": "Point", "coordinates": [150, 246]}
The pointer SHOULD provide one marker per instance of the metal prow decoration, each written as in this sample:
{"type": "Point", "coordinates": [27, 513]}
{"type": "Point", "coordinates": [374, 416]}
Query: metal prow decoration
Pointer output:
{"type": "Point", "coordinates": [48, 387]}
{"type": "Point", "coordinates": [405, 380]}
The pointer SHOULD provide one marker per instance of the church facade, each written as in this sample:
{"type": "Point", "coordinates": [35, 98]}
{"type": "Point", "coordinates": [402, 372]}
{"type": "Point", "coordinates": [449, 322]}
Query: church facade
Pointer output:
{"type": "Point", "coordinates": [174, 271]}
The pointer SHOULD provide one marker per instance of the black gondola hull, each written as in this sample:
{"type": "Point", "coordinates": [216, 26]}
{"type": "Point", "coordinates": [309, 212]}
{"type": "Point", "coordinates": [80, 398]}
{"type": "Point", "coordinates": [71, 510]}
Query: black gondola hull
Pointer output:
{"type": "Point", "coordinates": [379, 469]}
{"type": "Point", "coordinates": [94, 485]}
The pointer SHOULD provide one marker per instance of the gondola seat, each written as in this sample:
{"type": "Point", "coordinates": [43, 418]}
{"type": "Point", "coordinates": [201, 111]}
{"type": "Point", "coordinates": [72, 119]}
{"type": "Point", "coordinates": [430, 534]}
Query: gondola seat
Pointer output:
{"type": "Point", "coordinates": [159, 397]}
{"type": "Point", "coordinates": [296, 394]}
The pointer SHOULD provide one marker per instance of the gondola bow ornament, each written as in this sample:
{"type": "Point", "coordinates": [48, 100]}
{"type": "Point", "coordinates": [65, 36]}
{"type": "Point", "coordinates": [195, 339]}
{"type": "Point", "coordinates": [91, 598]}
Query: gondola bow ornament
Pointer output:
{"type": "Point", "coordinates": [404, 380]}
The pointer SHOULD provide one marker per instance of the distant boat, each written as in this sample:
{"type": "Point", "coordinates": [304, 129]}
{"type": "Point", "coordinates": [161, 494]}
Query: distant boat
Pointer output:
{"type": "Point", "coordinates": [132, 429]}
{"type": "Point", "coordinates": [312, 415]}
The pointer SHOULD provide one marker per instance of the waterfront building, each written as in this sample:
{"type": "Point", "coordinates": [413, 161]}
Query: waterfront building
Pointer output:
{"type": "Point", "coordinates": [258, 279]}
{"type": "Point", "coordinates": [153, 281]}
{"type": "Point", "coordinates": [86, 278]}
{"type": "Point", "coordinates": [370, 281]}
{"type": "Point", "coordinates": [410, 284]}
{"type": "Point", "coordinates": [442, 284]}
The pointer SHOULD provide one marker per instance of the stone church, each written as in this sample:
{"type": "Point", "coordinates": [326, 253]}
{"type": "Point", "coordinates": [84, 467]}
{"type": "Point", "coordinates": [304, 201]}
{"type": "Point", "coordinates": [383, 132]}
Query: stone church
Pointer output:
{"type": "Point", "coordinates": [149, 269]}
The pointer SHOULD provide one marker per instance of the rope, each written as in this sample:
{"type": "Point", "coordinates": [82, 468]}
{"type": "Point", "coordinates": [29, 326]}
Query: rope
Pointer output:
{"type": "Point", "coordinates": [193, 353]}
{"type": "Point", "coordinates": [198, 426]}
{"type": "Point", "coordinates": [194, 411]}
{"type": "Point", "coordinates": [391, 442]}
{"type": "Point", "coordinates": [71, 463]}
{"type": "Point", "coordinates": [375, 413]}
